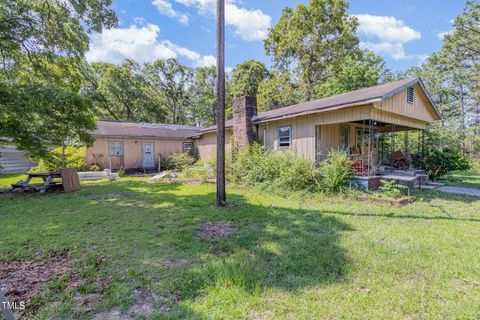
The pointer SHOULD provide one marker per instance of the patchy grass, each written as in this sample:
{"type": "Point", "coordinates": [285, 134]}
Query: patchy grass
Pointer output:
{"type": "Point", "coordinates": [6, 180]}
{"type": "Point", "coordinates": [289, 258]}
{"type": "Point", "coordinates": [469, 179]}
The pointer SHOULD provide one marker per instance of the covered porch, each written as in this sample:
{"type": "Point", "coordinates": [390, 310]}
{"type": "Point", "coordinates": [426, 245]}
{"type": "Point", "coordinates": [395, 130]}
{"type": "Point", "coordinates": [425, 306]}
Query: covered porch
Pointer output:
{"type": "Point", "coordinates": [379, 151]}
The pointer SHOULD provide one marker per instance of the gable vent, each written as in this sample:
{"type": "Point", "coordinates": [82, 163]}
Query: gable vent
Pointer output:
{"type": "Point", "coordinates": [410, 95]}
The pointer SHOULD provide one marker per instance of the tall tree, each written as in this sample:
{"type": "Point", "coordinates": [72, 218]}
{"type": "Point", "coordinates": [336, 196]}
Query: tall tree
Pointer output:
{"type": "Point", "coordinates": [311, 40]}
{"type": "Point", "coordinates": [42, 47]}
{"type": "Point", "coordinates": [173, 81]}
{"type": "Point", "coordinates": [353, 74]}
{"type": "Point", "coordinates": [277, 92]}
{"type": "Point", "coordinates": [247, 76]}
{"type": "Point", "coordinates": [204, 99]}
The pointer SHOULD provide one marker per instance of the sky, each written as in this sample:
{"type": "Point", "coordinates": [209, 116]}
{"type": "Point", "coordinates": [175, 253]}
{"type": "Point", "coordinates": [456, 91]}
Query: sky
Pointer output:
{"type": "Point", "coordinates": [403, 32]}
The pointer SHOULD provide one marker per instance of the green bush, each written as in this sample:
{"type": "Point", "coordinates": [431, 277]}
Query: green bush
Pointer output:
{"type": "Point", "coordinates": [392, 189]}
{"type": "Point", "coordinates": [256, 165]}
{"type": "Point", "coordinates": [180, 161]}
{"type": "Point", "coordinates": [440, 163]}
{"type": "Point", "coordinates": [74, 158]}
{"type": "Point", "coordinates": [335, 173]}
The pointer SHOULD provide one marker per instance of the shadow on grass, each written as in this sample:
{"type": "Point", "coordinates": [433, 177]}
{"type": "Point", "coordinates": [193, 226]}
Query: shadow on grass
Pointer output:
{"type": "Point", "coordinates": [270, 247]}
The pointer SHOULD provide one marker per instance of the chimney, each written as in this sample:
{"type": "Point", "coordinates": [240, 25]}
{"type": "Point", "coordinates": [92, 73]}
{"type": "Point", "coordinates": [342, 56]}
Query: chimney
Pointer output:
{"type": "Point", "coordinates": [244, 112]}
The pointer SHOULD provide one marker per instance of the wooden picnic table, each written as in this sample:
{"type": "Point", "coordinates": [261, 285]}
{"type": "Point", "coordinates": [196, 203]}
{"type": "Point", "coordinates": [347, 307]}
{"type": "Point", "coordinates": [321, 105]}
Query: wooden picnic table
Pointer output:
{"type": "Point", "coordinates": [48, 182]}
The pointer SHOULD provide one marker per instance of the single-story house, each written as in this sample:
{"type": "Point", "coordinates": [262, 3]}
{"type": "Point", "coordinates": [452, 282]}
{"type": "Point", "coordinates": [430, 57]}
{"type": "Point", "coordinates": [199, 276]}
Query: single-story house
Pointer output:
{"type": "Point", "coordinates": [348, 121]}
{"type": "Point", "coordinates": [133, 145]}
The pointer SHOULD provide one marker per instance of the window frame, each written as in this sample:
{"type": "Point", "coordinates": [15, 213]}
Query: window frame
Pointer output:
{"type": "Point", "coordinates": [110, 149]}
{"type": "Point", "coordinates": [410, 93]}
{"type": "Point", "coordinates": [345, 138]}
{"type": "Point", "coordinates": [289, 137]}
{"type": "Point", "coordinates": [189, 151]}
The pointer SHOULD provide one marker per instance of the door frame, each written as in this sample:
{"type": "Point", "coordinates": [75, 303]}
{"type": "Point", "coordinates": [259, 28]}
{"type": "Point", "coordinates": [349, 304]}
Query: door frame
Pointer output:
{"type": "Point", "coordinates": [153, 155]}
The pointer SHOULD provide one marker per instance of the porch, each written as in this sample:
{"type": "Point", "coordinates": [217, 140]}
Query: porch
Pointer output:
{"type": "Point", "coordinates": [379, 151]}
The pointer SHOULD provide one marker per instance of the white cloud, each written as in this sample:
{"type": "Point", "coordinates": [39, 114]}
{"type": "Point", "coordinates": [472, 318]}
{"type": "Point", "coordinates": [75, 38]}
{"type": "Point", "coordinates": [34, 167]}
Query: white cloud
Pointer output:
{"type": "Point", "coordinates": [386, 35]}
{"type": "Point", "coordinates": [250, 25]}
{"type": "Point", "coordinates": [138, 43]}
{"type": "Point", "coordinates": [165, 8]}
{"type": "Point", "coordinates": [206, 61]}
{"type": "Point", "coordinates": [442, 34]}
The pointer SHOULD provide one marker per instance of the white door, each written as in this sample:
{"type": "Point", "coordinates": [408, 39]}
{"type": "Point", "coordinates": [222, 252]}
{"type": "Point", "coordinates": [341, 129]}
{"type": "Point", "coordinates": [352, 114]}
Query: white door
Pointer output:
{"type": "Point", "coordinates": [148, 159]}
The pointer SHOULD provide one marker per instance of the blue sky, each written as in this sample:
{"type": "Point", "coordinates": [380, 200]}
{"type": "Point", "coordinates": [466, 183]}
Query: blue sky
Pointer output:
{"type": "Point", "coordinates": [403, 32]}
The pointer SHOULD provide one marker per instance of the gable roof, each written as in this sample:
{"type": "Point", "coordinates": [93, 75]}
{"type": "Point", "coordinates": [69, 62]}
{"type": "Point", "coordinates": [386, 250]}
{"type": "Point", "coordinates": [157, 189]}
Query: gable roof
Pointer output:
{"type": "Point", "coordinates": [341, 101]}
{"type": "Point", "coordinates": [125, 129]}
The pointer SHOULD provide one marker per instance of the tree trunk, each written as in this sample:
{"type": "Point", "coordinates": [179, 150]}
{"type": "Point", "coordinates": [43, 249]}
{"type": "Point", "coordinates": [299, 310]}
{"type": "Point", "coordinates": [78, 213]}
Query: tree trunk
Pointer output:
{"type": "Point", "coordinates": [221, 194]}
{"type": "Point", "coordinates": [463, 120]}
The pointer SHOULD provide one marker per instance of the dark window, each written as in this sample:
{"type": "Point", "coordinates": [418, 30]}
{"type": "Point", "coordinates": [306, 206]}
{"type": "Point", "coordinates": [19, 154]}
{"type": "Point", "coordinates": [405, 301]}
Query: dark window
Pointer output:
{"type": "Point", "coordinates": [115, 148]}
{"type": "Point", "coordinates": [344, 135]}
{"type": "Point", "coordinates": [284, 137]}
{"type": "Point", "coordinates": [410, 95]}
{"type": "Point", "coordinates": [188, 147]}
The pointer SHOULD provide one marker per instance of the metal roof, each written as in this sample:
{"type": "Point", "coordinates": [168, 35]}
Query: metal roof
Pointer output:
{"type": "Point", "coordinates": [126, 129]}
{"type": "Point", "coordinates": [341, 101]}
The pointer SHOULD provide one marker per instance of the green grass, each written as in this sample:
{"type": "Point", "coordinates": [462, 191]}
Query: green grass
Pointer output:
{"type": "Point", "coordinates": [469, 179]}
{"type": "Point", "coordinates": [309, 257]}
{"type": "Point", "coordinates": [6, 180]}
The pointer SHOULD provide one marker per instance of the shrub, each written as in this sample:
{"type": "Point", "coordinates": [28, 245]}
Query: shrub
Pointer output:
{"type": "Point", "coordinates": [392, 189]}
{"type": "Point", "coordinates": [121, 172]}
{"type": "Point", "coordinates": [94, 167]}
{"type": "Point", "coordinates": [440, 163]}
{"type": "Point", "coordinates": [256, 165]}
{"type": "Point", "coordinates": [74, 158]}
{"type": "Point", "coordinates": [180, 161]}
{"type": "Point", "coordinates": [335, 173]}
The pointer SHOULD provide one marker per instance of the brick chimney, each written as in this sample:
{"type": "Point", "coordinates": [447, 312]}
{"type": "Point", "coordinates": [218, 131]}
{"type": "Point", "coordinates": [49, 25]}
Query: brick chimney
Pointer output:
{"type": "Point", "coordinates": [244, 111]}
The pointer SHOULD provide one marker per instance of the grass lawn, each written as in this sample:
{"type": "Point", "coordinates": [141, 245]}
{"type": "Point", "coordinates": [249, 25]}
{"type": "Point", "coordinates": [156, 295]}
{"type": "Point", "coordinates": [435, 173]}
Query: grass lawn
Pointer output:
{"type": "Point", "coordinates": [470, 179]}
{"type": "Point", "coordinates": [309, 257]}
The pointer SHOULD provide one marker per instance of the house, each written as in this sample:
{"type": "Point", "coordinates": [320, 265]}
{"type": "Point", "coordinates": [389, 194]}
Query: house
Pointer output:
{"type": "Point", "coordinates": [135, 145]}
{"type": "Point", "coordinates": [354, 122]}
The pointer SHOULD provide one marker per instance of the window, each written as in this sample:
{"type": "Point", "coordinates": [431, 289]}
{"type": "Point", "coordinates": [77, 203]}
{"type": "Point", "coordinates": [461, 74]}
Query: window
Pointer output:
{"type": "Point", "coordinates": [115, 148]}
{"type": "Point", "coordinates": [344, 135]}
{"type": "Point", "coordinates": [410, 95]}
{"type": "Point", "coordinates": [284, 137]}
{"type": "Point", "coordinates": [188, 147]}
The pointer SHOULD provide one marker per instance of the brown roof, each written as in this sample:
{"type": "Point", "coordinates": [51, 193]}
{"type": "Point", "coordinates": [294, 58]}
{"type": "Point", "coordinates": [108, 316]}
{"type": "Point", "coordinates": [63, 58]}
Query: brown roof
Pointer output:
{"type": "Point", "coordinates": [125, 129]}
{"type": "Point", "coordinates": [345, 100]}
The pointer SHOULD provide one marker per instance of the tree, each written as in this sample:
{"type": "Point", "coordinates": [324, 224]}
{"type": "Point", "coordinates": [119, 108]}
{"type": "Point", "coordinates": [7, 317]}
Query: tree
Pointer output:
{"type": "Point", "coordinates": [42, 47]}
{"type": "Point", "coordinates": [204, 98]}
{"type": "Point", "coordinates": [277, 92]}
{"type": "Point", "coordinates": [173, 81]}
{"type": "Point", "coordinates": [311, 41]}
{"type": "Point", "coordinates": [353, 74]}
{"type": "Point", "coordinates": [122, 92]}
{"type": "Point", "coordinates": [247, 76]}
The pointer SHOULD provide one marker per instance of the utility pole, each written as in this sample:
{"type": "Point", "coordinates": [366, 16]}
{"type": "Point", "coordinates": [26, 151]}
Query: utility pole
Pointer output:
{"type": "Point", "coordinates": [221, 194]}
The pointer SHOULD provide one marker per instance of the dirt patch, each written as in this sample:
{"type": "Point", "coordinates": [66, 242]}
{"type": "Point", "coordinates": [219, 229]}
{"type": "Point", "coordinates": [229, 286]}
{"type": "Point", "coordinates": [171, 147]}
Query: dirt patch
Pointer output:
{"type": "Point", "coordinates": [85, 302]}
{"type": "Point", "coordinates": [216, 230]}
{"type": "Point", "coordinates": [22, 280]}
{"type": "Point", "coordinates": [114, 314]}
{"type": "Point", "coordinates": [110, 195]}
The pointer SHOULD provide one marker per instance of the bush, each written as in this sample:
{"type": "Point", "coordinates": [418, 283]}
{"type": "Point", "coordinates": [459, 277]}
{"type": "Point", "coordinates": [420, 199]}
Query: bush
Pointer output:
{"type": "Point", "coordinates": [335, 173]}
{"type": "Point", "coordinates": [392, 189]}
{"type": "Point", "coordinates": [440, 163]}
{"type": "Point", "coordinates": [74, 158]}
{"type": "Point", "coordinates": [256, 165]}
{"type": "Point", "coordinates": [180, 161]}
{"type": "Point", "coordinates": [94, 167]}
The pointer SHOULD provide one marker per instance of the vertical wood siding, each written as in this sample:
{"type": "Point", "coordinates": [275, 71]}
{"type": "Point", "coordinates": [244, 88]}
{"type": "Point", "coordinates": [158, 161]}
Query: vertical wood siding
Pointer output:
{"type": "Point", "coordinates": [132, 148]}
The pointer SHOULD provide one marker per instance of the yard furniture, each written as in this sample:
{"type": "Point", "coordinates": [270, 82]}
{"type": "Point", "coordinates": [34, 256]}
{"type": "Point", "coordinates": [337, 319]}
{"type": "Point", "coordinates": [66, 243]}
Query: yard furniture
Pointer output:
{"type": "Point", "coordinates": [69, 181]}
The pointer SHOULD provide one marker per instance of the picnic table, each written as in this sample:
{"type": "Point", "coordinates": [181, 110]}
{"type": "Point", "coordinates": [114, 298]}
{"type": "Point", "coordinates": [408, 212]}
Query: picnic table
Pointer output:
{"type": "Point", "coordinates": [69, 181]}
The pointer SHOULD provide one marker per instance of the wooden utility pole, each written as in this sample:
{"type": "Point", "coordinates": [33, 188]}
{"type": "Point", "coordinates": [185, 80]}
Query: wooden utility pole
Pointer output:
{"type": "Point", "coordinates": [221, 194]}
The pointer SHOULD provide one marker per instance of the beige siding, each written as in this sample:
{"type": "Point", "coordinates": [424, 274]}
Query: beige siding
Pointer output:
{"type": "Point", "coordinates": [421, 109]}
{"type": "Point", "coordinates": [206, 146]}
{"type": "Point", "coordinates": [132, 151]}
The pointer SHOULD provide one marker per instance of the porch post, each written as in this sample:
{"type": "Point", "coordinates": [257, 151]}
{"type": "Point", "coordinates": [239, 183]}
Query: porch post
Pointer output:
{"type": "Point", "coordinates": [369, 146]}
{"type": "Point", "coordinates": [423, 148]}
